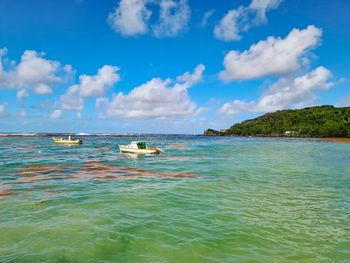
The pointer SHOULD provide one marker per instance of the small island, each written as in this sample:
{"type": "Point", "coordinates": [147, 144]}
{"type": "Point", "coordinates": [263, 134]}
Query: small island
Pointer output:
{"type": "Point", "coordinates": [319, 121]}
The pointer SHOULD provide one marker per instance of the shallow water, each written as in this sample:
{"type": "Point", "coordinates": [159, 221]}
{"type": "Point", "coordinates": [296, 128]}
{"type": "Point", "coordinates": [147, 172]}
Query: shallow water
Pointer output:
{"type": "Point", "coordinates": [205, 199]}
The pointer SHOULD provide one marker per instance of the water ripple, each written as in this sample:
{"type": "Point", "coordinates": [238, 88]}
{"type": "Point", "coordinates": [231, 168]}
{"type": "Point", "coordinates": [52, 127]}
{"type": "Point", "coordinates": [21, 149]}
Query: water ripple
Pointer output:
{"type": "Point", "coordinates": [204, 200]}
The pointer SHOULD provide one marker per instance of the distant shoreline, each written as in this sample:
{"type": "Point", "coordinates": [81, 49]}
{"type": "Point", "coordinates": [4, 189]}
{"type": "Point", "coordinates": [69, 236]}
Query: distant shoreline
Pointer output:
{"type": "Point", "coordinates": [65, 135]}
{"type": "Point", "coordinates": [311, 139]}
{"type": "Point", "coordinates": [49, 135]}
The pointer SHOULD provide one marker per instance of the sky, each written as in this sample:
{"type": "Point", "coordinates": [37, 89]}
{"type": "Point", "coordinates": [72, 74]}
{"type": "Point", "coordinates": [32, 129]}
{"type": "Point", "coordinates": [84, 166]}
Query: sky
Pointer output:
{"type": "Point", "coordinates": [167, 66]}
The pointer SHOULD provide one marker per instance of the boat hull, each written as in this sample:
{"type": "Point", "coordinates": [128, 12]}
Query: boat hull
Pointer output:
{"type": "Point", "coordinates": [70, 142]}
{"type": "Point", "coordinates": [125, 149]}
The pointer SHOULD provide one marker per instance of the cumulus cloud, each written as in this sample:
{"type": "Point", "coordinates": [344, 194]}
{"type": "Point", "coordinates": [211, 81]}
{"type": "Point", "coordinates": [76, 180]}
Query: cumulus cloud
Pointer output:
{"type": "Point", "coordinates": [21, 94]}
{"type": "Point", "coordinates": [274, 56]}
{"type": "Point", "coordinates": [33, 71]}
{"type": "Point", "coordinates": [286, 92]}
{"type": "Point", "coordinates": [89, 87]}
{"type": "Point", "coordinates": [96, 86]}
{"type": "Point", "coordinates": [71, 100]}
{"type": "Point", "coordinates": [227, 28]}
{"type": "Point", "coordinates": [189, 79]}
{"type": "Point", "coordinates": [42, 89]}
{"type": "Point", "coordinates": [3, 109]}
{"type": "Point", "coordinates": [57, 114]}
{"type": "Point", "coordinates": [241, 19]}
{"type": "Point", "coordinates": [156, 99]}
{"type": "Point", "coordinates": [173, 18]}
{"type": "Point", "coordinates": [261, 6]}
{"type": "Point", "coordinates": [132, 17]}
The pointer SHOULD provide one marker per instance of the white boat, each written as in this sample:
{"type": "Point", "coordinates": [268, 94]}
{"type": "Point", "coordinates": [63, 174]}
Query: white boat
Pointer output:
{"type": "Point", "coordinates": [139, 147]}
{"type": "Point", "coordinates": [67, 141]}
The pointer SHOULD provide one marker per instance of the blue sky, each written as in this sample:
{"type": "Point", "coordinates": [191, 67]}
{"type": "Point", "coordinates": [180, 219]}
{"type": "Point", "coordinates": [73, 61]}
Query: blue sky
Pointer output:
{"type": "Point", "coordinates": [167, 66]}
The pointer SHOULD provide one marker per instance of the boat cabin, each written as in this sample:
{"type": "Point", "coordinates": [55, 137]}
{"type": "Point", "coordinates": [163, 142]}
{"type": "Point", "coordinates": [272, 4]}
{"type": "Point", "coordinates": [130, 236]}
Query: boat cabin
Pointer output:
{"type": "Point", "coordinates": [138, 145]}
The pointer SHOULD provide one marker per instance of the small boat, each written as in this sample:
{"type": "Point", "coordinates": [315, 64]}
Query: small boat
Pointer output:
{"type": "Point", "coordinates": [67, 141]}
{"type": "Point", "coordinates": [139, 147]}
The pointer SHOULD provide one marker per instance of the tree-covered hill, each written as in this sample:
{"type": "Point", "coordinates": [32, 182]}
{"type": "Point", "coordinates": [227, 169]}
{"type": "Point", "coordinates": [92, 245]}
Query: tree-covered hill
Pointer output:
{"type": "Point", "coordinates": [320, 121]}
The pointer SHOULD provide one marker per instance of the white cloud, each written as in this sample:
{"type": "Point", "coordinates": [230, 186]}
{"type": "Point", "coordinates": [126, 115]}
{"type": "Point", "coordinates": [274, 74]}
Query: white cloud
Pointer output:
{"type": "Point", "coordinates": [96, 86]}
{"type": "Point", "coordinates": [33, 72]}
{"type": "Point", "coordinates": [21, 94]}
{"type": "Point", "coordinates": [42, 89]}
{"type": "Point", "coordinates": [236, 107]}
{"type": "Point", "coordinates": [3, 52]}
{"type": "Point", "coordinates": [274, 56]}
{"type": "Point", "coordinates": [132, 17]}
{"type": "Point", "coordinates": [241, 19]}
{"type": "Point", "coordinates": [3, 108]}
{"type": "Point", "coordinates": [261, 6]}
{"type": "Point", "coordinates": [190, 79]}
{"type": "Point", "coordinates": [227, 29]}
{"type": "Point", "coordinates": [206, 16]}
{"type": "Point", "coordinates": [71, 100]}
{"type": "Point", "coordinates": [68, 69]}
{"type": "Point", "coordinates": [156, 99]}
{"type": "Point", "coordinates": [173, 18]}
{"type": "Point", "coordinates": [286, 92]}
{"type": "Point", "coordinates": [57, 114]}
{"type": "Point", "coordinates": [89, 87]}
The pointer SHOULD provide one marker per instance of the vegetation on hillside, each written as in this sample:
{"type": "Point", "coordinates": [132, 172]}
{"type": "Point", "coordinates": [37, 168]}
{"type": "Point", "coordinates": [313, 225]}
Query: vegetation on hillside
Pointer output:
{"type": "Point", "coordinates": [321, 121]}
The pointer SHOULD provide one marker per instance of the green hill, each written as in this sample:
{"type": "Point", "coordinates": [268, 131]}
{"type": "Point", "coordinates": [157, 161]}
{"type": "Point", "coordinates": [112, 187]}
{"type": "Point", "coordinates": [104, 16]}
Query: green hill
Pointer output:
{"type": "Point", "coordinates": [320, 121]}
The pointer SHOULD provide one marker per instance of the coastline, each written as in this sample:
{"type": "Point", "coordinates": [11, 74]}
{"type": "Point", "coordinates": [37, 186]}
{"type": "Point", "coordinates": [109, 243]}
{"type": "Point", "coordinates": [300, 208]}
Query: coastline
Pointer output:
{"type": "Point", "coordinates": [45, 135]}
{"type": "Point", "coordinates": [313, 139]}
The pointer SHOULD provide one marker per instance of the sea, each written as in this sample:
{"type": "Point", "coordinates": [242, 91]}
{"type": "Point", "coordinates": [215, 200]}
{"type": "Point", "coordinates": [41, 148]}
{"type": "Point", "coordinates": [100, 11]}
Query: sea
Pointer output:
{"type": "Point", "coordinates": [205, 199]}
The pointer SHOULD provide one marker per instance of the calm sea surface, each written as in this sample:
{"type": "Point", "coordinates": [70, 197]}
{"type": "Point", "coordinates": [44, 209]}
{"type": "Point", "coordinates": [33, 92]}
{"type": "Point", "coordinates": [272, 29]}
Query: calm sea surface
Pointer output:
{"type": "Point", "coordinates": [205, 199]}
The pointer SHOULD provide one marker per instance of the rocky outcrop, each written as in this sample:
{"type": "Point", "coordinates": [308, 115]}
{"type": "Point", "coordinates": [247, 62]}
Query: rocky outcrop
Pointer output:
{"type": "Point", "coordinates": [211, 132]}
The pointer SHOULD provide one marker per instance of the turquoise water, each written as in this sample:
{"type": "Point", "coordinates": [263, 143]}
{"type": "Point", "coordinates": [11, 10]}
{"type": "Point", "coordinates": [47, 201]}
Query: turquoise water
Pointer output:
{"type": "Point", "coordinates": [205, 199]}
